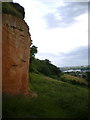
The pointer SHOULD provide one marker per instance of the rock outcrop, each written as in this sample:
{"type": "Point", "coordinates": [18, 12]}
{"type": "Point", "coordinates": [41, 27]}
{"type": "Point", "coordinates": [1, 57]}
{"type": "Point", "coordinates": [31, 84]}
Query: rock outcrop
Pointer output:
{"type": "Point", "coordinates": [0, 53]}
{"type": "Point", "coordinates": [15, 55]}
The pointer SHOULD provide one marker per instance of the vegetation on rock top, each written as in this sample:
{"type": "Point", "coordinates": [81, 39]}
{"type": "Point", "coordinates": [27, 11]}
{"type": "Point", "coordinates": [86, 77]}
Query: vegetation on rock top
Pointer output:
{"type": "Point", "coordinates": [14, 9]}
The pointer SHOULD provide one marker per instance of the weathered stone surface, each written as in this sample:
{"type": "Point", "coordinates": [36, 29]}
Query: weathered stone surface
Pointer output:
{"type": "Point", "coordinates": [15, 55]}
{"type": "Point", "coordinates": [0, 53]}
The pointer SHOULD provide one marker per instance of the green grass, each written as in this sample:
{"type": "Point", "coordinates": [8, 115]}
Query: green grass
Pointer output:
{"type": "Point", "coordinates": [74, 80]}
{"type": "Point", "coordinates": [56, 99]}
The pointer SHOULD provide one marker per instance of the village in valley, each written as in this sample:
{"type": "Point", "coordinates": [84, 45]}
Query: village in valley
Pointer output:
{"type": "Point", "coordinates": [79, 71]}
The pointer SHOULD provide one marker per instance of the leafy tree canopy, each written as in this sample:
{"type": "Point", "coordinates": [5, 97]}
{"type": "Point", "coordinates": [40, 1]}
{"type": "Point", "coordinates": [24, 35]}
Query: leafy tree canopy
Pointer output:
{"type": "Point", "coordinates": [42, 66]}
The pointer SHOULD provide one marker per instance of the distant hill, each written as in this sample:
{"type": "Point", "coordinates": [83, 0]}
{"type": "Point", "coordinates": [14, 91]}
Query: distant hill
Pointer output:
{"type": "Point", "coordinates": [83, 67]}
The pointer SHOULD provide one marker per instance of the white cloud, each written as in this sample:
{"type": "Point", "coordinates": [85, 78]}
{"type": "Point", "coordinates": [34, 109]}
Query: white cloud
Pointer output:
{"type": "Point", "coordinates": [78, 56]}
{"type": "Point", "coordinates": [56, 40]}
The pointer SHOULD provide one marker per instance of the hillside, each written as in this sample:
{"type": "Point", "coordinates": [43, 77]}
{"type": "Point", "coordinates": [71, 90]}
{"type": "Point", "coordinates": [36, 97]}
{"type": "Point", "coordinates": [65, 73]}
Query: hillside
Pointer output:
{"type": "Point", "coordinates": [55, 99]}
{"type": "Point", "coordinates": [44, 67]}
{"type": "Point", "coordinates": [74, 80]}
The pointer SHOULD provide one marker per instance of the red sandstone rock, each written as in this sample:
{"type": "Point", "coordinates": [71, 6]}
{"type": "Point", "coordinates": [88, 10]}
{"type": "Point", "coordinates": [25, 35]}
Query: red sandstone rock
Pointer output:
{"type": "Point", "coordinates": [15, 55]}
{"type": "Point", "coordinates": [0, 55]}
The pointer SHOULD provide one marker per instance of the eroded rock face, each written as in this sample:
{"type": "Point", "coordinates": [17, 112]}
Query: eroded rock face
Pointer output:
{"type": "Point", "coordinates": [15, 55]}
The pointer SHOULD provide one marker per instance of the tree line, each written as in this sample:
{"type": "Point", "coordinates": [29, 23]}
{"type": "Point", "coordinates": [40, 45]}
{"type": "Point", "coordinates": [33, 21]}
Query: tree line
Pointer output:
{"type": "Point", "coordinates": [42, 66]}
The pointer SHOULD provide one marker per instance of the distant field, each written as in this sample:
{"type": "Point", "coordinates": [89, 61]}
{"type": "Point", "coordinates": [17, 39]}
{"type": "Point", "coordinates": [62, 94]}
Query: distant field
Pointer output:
{"type": "Point", "coordinates": [55, 99]}
{"type": "Point", "coordinates": [74, 80]}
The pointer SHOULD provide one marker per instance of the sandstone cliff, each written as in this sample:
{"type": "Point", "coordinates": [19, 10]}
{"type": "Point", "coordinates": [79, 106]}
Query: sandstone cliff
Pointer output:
{"type": "Point", "coordinates": [15, 53]}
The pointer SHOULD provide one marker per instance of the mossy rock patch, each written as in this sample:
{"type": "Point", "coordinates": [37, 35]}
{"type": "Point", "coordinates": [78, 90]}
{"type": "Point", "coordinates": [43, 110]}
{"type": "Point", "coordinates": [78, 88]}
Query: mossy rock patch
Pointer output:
{"type": "Point", "coordinates": [13, 8]}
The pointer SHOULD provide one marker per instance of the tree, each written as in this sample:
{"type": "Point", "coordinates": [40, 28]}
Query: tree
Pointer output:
{"type": "Point", "coordinates": [47, 61]}
{"type": "Point", "coordinates": [42, 66]}
{"type": "Point", "coordinates": [33, 51]}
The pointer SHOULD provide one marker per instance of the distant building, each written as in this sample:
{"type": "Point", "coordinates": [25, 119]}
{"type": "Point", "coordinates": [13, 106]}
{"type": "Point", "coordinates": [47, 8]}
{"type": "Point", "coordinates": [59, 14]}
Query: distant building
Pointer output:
{"type": "Point", "coordinates": [85, 70]}
{"type": "Point", "coordinates": [72, 70]}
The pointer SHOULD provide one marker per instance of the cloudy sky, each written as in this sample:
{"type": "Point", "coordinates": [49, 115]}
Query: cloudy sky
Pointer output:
{"type": "Point", "coordinates": [59, 29]}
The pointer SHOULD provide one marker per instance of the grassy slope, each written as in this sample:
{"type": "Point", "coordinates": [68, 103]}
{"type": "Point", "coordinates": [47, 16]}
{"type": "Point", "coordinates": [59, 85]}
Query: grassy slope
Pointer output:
{"type": "Point", "coordinates": [75, 80]}
{"type": "Point", "coordinates": [55, 99]}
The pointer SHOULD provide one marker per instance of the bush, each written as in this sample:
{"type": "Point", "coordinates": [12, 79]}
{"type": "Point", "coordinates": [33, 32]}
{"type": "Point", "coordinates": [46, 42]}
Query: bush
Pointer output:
{"type": "Point", "coordinates": [45, 67]}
